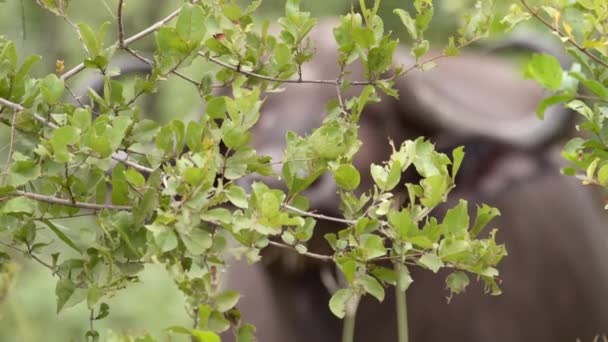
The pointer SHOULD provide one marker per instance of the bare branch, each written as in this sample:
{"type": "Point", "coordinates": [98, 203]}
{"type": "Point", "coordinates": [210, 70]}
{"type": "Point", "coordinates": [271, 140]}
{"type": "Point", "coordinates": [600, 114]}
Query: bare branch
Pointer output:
{"type": "Point", "coordinates": [308, 254]}
{"type": "Point", "coordinates": [70, 203]}
{"type": "Point", "coordinates": [319, 216]}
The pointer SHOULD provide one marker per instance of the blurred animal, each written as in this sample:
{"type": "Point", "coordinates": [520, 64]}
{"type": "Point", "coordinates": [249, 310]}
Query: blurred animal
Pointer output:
{"type": "Point", "coordinates": [555, 276]}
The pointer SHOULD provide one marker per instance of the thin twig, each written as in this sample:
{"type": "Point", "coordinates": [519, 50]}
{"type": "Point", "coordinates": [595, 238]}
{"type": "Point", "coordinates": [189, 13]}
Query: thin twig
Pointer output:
{"type": "Point", "coordinates": [121, 32]}
{"type": "Point", "coordinates": [150, 63]}
{"type": "Point", "coordinates": [582, 49]}
{"type": "Point", "coordinates": [319, 216]}
{"type": "Point", "coordinates": [30, 254]}
{"type": "Point", "coordinates": [308, 254]}
{"type": "Point", "coordinates": [10, 144]}
{"type": "Point", "coordinates": [69, 203]}
{"type": "Point", "coordinates": [275, 79]}
{"type": "Point", "coordinates": [75, 70]}
{"type": "Point", "coordinates": [119, 158]}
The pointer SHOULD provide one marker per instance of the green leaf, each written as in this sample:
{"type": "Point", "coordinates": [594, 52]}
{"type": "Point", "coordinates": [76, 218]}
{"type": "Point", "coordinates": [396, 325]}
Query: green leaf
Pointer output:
{"type": "Point", "coordinates": [372, 286]}
{"type": "Point", "coordinates": [550, 101]}
{"type": "Point", "coordinates": [347, 177]}
{"type": "Point", "coordinates": [94, 294]}
{"type": "Point", "coordinates": [191, 23]}
{"type": "Point", "coordinates": [402, 223]}
{"type": "Point", "coordinates": [337, 303]}
{"type": "Point", "coordinates": [602, 175]}
{"type": "Point", "coordinates": [404, 279]}
{"type": "Point", "coordinates": [205, 336]}
{"type": "Point", "coordinates": [451, 49]}
{"type": "Point", "coordinates": [197, 241]}
{"type": "Point", "coordinates": [485, 214]}
{"type": "Point", "coordinates": [431, 261]}
{"type": "Point", "coordinates": [456, 219]}
{"type": "Point", "coordinates": [218, 322]}
{"type": "Point", "coordinates": [89, 39]}
{"type": "Point", "coordinates": [215, 215]}
{"type": "Point", "coordinates": [237, 196]}
{"type": "Point", "coordinates": [52, 88]}
{"type": "Point", "coordinates": [61, 138]}
{"type": "Point", "coordinates": [22, 172]}
{"type": "Point", "coordinates": [372, 246]}
{"type": "Point", "coordinates": [349, 268]}
{"type": "Point", "coordinates": [292, 7]}
{"type": "Point", "coordinates": [194, 136]}
{"type": "Point", "coordinates": [457, 156]}
{"type": "Point", "coordinates": [457, 282]}
{"type": "Point", "coordinates": [178, 330]}
{"type": "Point", "coordinates": [216, 108]}
{"type": "Point", "coordinates": [166, 240]}
{"type": "Point", "coordinates": [408, 22]}
{"type": "Point", "coordinates": [19, 205]}
{"type": "Point", "coordinates": [227, 300]}
{"type": "Point", "coordinates": [81, 119]}
{"type": "Point", "coordinates": [246, 333]}
{"type": "Point", "coordinates": [135, 178]}
{"type": "Point", "coordinates": [61, 235]}
{"type": "Point", "coordinates": [64, 290]}
{"type": "Point", "coordinates": [385, 275]}
{"type": "Point", "coordinates": [546, 70]}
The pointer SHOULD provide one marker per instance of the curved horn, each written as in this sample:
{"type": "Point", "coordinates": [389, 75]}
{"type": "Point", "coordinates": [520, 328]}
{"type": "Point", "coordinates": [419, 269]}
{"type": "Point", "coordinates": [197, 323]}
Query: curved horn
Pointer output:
{"type": "Point", "coordinates": [485, 95]}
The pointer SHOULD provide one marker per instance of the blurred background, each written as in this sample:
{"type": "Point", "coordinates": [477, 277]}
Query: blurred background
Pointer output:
{"type": "Point", "coordinates": [28, 313]}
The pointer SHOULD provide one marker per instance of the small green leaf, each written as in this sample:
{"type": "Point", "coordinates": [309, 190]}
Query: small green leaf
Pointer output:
{"type": "Point", "coordinates": [457, 282]}
{"type": "Point", "coordinates": [485, 214]}
{"type": "Point", "coordinates": [197, 241]}
{"type": "Point", "coordinates": [407, 21]}
{"type": "Point", "coordinates": [451, 49]}
{"type": "Point", "coordinates": [64, 290]}
{"type": "Point", "coordinates": [22, 172]}
{"type": "Point", "coordinates": [135, 178]}
{"type": "Point", "coordinates": [215, 215]}
{"type": "Point", "coordinates": [89, 39]}
{"type": "Point", "coordinates": [94, 294]}
{"type": "Point", "coordinates": [456, 219]}
{"type": "Point", "coordinates": [337, 303]}
{"type": "Point", "coordinates": [237, 196]}
{"type": "Point", "coordinates": [349, 268]}
{"type": "Point", "coordinates": [246, 333]}
{"type": "Point", "coordinates": [404, 279]}
{"type": "Point", "coordinates": [602, 175]}
{"type": "Point", "coordinates": [205, 336]}
{"type": "Point", "coordinates": [61, 235]}
{"type": "Point", "coordinates": [19, 205]}
{"type": "Point", "coordinates": [431, 261]}
{"type": "Point", "coordinates": [52, 88]}
{"type": "Point", "coordinates": [227, 300]}
{"type": "Point", "coordinates": [551, 101]}
{"type": "Point", "coordinates": [457, 156]}
{"type": "Point", "coordinates": [372, 286]}
{"type": "Point", "coordinates": [61, 138]}
{"type": "Point", "coordinates": [347, 177]}
{"type": "Point", "coordinates": [372, 246]}
{"type": "Point", "coordinates": [546, 70]}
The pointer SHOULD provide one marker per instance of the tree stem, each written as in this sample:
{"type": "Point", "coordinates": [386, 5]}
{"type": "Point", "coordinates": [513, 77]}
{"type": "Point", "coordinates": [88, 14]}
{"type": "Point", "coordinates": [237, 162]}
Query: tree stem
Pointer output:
{"type": "Point", "coordinates": [348, 329]}
{"type": "Point", "coordinates": [401, 299]}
